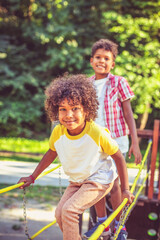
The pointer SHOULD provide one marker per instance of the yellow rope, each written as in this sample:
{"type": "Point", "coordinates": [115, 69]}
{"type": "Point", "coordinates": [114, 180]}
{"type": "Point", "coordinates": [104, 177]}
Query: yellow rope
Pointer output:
{"type": "Point", "coordinates": [132, 205]}
{"type": "Point", "coordinates": [106, 223]}
{"type": "Point", "coordinates": [141, 166]}
{"type": "Point", "coordinates": [101, 227]}
{"type": "Point", "coordinates": [3, 190]}
{"type": "Point", "coordinates": [51, 170]}
{"type": "Point", "coordinates": [42, 229]}
{"type": "Point", "coordinates": [20, 184]}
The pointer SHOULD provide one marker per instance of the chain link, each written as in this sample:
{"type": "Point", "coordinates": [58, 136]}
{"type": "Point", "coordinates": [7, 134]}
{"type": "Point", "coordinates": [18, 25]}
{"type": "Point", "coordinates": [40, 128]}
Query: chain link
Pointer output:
{"type": "Point", "coordinates": [25, 214]}
{"type": "Point", "coordinates": [60, 182]}
{"type": "Point", "coordinates": [121, 221]}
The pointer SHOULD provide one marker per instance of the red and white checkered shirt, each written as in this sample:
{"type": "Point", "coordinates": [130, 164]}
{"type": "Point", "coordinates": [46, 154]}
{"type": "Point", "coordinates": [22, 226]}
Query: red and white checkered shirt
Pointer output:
{"type": "Point", "coordinates": [117, 91]}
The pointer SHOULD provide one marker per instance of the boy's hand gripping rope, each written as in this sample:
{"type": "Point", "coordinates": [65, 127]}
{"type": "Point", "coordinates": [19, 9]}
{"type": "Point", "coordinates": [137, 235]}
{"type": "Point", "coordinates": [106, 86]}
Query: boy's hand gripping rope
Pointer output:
{"type": "Point", "coordinates": [7, 189]}
{"type": "Point", "coordinates": [127, 210]}
{"type": "Point", "coordinates": [106, 223]}
{"type": "Point", "coordinates": [24, 202]}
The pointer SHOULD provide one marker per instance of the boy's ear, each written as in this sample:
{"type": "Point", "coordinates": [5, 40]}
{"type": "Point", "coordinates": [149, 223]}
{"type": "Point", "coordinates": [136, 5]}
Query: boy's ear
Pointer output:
{"type": "Point", "coordinates": [91, 61]}
{"type": "Point", "coordinates": [113, 65]}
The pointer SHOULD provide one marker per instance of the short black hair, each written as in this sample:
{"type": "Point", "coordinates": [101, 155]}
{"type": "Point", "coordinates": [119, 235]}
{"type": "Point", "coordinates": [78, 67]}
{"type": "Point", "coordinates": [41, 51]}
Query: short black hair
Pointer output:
{"type": "Point", "coordinates": [107, 45]}
{"type": "Point", "coordinates": [77, 88]}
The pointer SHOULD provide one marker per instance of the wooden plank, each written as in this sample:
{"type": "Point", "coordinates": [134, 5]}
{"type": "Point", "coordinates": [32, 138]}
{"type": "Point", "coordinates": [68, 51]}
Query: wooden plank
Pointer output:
{"type": "Point", "coordinates": [153, 157]}
{"type": "Point", "coordinates": [146, 133]}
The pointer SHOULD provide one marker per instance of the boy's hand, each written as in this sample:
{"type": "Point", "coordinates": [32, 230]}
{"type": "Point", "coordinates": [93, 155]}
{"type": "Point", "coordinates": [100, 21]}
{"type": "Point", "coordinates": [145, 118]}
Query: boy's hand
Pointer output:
{"type": "Point", "coordinates": [129, 195]}
{"type": "Point", "coordinates": [136, 152]}
{"type": "Point", "coordinates": [27, 181]}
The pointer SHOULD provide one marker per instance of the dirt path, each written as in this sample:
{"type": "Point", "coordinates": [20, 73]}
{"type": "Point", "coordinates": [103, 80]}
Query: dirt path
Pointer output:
{"type": "Point", "coordinates": [38, 215]}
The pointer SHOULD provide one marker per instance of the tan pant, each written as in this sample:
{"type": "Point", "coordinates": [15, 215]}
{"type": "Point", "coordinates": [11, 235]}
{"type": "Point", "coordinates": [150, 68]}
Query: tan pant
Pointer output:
{"type": "Point", "coordinates": [76, 198]}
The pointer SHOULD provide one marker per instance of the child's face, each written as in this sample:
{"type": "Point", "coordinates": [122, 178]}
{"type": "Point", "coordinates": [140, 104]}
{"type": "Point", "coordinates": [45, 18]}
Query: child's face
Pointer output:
{"type": "Point", "coordinates": [102, 62]}
{"type": "Point", "coordinates": [72, 117]}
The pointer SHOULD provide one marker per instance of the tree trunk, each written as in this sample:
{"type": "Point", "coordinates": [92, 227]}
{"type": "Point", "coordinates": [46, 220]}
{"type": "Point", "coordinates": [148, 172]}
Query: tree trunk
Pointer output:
{"type": "Point", "coordinates": [144, 118]}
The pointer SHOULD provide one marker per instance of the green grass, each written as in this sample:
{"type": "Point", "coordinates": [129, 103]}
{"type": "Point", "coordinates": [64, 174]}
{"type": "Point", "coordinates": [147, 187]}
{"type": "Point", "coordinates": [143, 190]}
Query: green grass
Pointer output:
{"type": "Point", "coordinates": [24, 145]}
{"type": "Point", "coordinates": [33, 147]}
{"type": "Point", "coordinates": [13, 157]}
{"type": "Point", "coordinates": [39, 193]}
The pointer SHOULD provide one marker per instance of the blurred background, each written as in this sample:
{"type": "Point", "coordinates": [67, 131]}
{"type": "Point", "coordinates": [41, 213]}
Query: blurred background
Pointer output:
{"type": "Point", "coordinates": [40, 40]}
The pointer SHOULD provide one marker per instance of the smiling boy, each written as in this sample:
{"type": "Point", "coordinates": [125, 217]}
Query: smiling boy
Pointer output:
{"type": "Point", "coordinates": [82, 147]}
{"type": "Point", "coordinates": [114, 113]}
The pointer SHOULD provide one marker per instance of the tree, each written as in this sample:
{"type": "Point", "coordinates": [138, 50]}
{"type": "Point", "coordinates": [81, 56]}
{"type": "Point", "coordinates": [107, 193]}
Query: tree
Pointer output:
{"type": "Point", "coordinates": [43, 39]}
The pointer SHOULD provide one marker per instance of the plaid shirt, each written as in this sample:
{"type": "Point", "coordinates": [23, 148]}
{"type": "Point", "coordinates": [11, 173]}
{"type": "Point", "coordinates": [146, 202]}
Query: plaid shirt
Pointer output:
{"type": "Point", "coordinates": [117, 91]}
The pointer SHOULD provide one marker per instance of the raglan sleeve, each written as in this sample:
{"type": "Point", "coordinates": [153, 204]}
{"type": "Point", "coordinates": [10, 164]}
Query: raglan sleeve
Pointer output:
{"type": "Point", "coordinates": [108, 144]}
{"type": "Point", "coordinates": [125, 91]}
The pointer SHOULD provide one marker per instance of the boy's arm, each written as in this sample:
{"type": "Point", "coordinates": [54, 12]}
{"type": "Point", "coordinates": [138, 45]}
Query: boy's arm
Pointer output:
{"type": "Point", "coordinates": [47, 159]}
{"type": "Point", "coordinates": [128, 115]}
{"type": "Point", "coordinates": [123, 175]}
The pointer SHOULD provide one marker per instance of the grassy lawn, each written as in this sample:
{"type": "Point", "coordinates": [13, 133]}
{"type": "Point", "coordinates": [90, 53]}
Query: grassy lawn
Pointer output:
{"type": "Point", "coordinates": [24, 145]}
{"type": "Point", "coordinates": [21, 149]}
{"type": "Point", "coordinates": [41, 194]}
{"type": "Point", "coordinates": [33, 150]}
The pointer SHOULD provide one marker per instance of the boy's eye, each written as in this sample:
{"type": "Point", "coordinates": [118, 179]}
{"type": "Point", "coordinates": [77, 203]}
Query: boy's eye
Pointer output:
{"type": "Point", "coordinates": [75, 108]}
{"type": "Point", "coordinates": [62, 109]}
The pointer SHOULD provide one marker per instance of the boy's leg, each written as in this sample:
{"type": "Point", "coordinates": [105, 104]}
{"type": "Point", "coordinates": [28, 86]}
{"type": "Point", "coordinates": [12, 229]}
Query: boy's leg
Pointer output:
{"type": "Point", "coordinates": [70, 190]}
{"type": "Point", "coordinates": [116, 197]}
{"type": "Point", "coordinates": [100, 207]}
{"type": "Point", "coordinates": [86, 196]}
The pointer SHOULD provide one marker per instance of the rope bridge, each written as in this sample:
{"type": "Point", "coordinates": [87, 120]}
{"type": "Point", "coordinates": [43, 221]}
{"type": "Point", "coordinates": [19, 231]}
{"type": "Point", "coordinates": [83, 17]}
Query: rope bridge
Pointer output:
{"type": "Point", "coordinates": [105, 224]}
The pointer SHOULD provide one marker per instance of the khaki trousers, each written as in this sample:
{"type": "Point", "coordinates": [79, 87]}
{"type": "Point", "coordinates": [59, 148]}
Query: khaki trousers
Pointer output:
{"type": "Point", "coordinates": [76, 198]}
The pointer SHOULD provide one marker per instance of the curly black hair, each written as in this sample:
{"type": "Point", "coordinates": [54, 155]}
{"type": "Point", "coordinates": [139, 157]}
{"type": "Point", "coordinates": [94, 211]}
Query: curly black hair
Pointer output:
{"type": "Point", "coordinates": [75, 88]}
{"type": "Point", "coordinates": [107, 45]}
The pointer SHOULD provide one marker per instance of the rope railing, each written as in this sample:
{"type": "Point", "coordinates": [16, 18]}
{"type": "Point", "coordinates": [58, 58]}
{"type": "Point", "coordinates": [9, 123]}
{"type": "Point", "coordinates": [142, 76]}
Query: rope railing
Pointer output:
{"type": "Point", "coordinates": [21, 184]}
{"type": "Point", "coordinates": [42, 229]}
{"type": "Point", "coordinates": [7, 189]}
{"type": "Point", "coordinates": [106, 223]}
{"type": "Point", "coordinates": [130, 208]}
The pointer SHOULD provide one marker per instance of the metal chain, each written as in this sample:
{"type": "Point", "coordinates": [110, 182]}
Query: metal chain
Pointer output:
{"type": "Point", "coordinates": [25, 214]}
{"type": "Point", "coordinates": [121, 221]}
{"type": "Point", "coordinates": [60, 182]}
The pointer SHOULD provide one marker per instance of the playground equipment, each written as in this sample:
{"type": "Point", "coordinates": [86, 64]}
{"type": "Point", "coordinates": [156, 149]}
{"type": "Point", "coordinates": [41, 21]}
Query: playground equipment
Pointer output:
{"type": "Point", "coordinates": [24, 203]}
{"type": "Point", "coordinates": [135, 225]}
{"type": "Point", "coordinates": [144, 220]}
{"type": "Point", "coordinates": [126, 210]}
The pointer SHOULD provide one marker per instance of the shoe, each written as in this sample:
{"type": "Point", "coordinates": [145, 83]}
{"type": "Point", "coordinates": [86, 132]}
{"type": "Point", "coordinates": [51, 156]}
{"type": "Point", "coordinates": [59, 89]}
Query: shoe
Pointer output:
{"type": "Point", "coordinates": [122, 235]}
{"type": "Point", "coordinates": [106, 232]}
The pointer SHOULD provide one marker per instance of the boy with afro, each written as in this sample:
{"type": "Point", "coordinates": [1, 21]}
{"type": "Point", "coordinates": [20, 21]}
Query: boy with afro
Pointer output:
{"type": "Point", "coordinates": [83, 148]}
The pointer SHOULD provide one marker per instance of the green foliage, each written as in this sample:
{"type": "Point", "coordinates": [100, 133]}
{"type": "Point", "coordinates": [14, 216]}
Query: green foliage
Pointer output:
{"type": "Point", "coordinates": [43, 39]}
{"type": "Point", "coordinates": [138, 61]}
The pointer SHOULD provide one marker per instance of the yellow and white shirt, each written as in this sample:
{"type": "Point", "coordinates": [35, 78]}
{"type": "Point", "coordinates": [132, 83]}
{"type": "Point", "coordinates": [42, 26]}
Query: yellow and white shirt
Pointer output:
{"type": "Point", "coordinates": [85, 156]}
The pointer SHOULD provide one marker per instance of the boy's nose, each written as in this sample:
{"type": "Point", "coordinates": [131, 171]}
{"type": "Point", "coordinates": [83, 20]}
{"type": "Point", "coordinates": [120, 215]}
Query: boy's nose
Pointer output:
{"type": "Point", "coordinates": [102, 60]}
{"type": "Point", "coordinates": [69, 113]}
